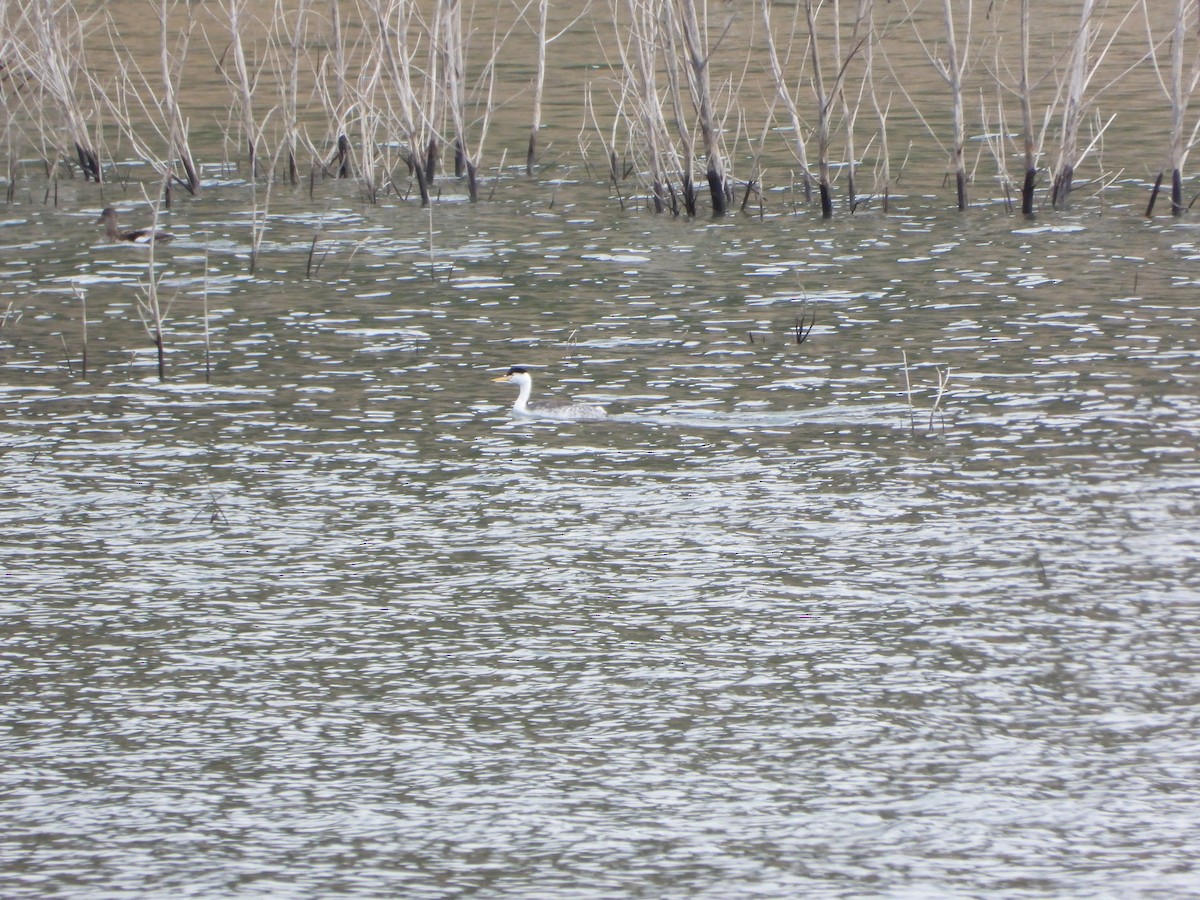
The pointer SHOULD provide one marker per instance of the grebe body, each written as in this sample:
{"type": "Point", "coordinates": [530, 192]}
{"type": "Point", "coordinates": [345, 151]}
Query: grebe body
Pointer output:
{"type": "Point", "coordinates": [572, 412]}
{"type": "Point", "coordinates": [114, 232]}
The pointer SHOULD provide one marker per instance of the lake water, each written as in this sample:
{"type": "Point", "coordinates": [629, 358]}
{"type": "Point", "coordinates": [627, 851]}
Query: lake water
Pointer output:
{"type": "Point", "coordinates": [909, 609]}
{"type": "Point", "coordinates": [335, 625]}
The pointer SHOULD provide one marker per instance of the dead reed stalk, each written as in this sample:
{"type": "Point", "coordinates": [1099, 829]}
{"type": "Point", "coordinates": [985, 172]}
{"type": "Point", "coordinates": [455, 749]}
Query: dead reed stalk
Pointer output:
{"type": "Point", "coordinates": [943, 383]}
{"type": "Point", "coordinates": [258, 218]}
{"type": "Point", "coordinates": [432, 100]}
{"type": "Point", "coordinates": [53, 57]}
{"type": "Point", "coordinates": [640, 58]}
{"type": "Point", "coordinates": [698, 56]}
{"type": "Point", "coordinates": [996, 137]}
{"type": "Point", "coordinates": [850, 111]}
{"type": "Point", "coordinates": [207, 330]}
{"type": "Point", "coordinates": [943, 378]}
{"type": "Point", "coordinates": [539, 86]}
{"type": "Point", "coordinates": [370, 131]}
{"type": "Point", "coordinates": [149, 118]}
{"type": "Point", "coordinates": [1179, 101]}
{"type": "Point", "coordinates": [454, 63]}
{"type": "Point", "coordinates": [1031, 147]}
{"type": "Point", "coordinates": [393, 20]}
{"type": "Point", "coordinates": [669, 39]}
{"type": "Point", "coordinates": [1084, 62]}
{"type": "Point", "coordinates": [1178, 87]}
{"type": "Point", "coordinates": [11, 87]}
{"type": "Point", "coordinates": [337, 102]}
{"type": "Point", "coordinates": [824, 109]}
{"type": "Point", "coordinates": [83, 327]}
{"type": "Point", "coordinates": [241, 84]}
{"type": "Point", "coordinates": [826, 99]}
{"type": "Point", "coordinates": [798, 144]}
{"type": "Point", "coordinates": [466, 156]}
{"type": "Point", "coordinates": [292, 38]}
{"type": "Point", "coordinates": [171, 61]}
{"type": "Point", "coordinates": [539, 83]}
{"type": "Point", "coordinates": [1077, 77]}
{"type": "Point", "coordinates": [608, 142]}
{"type": "Point", "coordinates": [912, 411]}
{"type": "Point", "coordinates": [952, 70]}
{"type": "Point", "coordinates": [150, 308]}
{"type": "Point", "coordinates": [883, 178]}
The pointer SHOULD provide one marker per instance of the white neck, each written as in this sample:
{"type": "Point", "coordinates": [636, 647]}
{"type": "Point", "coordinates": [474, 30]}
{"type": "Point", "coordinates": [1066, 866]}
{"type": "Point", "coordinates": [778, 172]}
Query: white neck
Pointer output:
{"type": "Point", "coordinates": [526, 384]}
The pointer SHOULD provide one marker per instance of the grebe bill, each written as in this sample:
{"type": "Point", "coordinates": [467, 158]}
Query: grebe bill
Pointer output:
{"type": "Point", "coordinates": [548, 409]}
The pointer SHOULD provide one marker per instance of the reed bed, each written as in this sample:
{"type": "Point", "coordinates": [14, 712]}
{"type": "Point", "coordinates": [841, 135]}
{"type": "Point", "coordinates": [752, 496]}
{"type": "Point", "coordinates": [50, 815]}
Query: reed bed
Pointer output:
{"type": "Point", "coordinates": [801, 100]}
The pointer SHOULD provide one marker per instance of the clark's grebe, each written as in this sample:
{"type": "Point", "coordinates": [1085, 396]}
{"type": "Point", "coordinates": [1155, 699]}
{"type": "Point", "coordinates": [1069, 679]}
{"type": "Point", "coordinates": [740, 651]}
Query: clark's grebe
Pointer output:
{"type": "Point", "coordinates": [569, 411]}
{"type": "Point", "coordinates": [113, 231]}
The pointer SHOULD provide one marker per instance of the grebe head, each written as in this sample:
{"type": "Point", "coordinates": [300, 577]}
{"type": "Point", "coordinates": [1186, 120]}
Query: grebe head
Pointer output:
{"type": "Point", "coordinates": [515, 375]}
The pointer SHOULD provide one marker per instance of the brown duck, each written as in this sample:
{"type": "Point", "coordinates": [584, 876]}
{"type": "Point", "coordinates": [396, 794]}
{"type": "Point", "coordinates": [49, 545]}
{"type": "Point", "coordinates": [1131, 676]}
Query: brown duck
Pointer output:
{"type": "Point", "coordinates": [114, 232]}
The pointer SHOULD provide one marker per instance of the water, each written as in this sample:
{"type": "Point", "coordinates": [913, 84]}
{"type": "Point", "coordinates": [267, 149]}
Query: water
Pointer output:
{"type": "Point", "coordinates": [335, 625]}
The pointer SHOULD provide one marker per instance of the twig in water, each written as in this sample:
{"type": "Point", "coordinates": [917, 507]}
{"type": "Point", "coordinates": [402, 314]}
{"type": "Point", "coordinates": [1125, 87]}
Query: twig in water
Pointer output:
{"type": "Point", "coordinates": [309, 271]}
{"type": "Point", "coordinates": [207, 342]}
{"type": "Point", "coordinates": [943, 381]}
{"type": "Point", "coordinates": [912, 413]}
{"type": "Point", "coordinates": [1040, 568]}
{"type": "Point", "coordinates": [66, 356]}
{"type": "Point", "coordinates": [258, 224]}
{"type": "Point", "coordinates": [804, 325]}
{"type": "Point", "coordinates": [149, 308]}
{"type": "Point", "coordinates": [1154, 196]}
{"type": "Point", "coordinates": [350, 258]}
{"type": "Point", "coordinates": [8, 316]}
{"type": "Point", "coordinates": [83, 321]}
{"type": "Point", "coordinates": [432, 257]}
{"type": "Point", "coordinates": [213, 508]}
{"type": "Point", "coordinates": [499, 173]}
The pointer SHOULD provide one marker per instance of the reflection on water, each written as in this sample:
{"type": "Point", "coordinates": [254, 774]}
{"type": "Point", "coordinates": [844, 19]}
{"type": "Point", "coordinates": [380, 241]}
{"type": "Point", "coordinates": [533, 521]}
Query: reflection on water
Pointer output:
{"type": "Point", "coordinates": [335, 625]}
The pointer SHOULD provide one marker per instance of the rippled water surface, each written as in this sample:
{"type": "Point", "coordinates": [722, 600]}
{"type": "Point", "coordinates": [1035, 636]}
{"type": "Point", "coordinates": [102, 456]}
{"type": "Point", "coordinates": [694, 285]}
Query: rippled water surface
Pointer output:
{"type": "Point", "coordinates": [335, 625]}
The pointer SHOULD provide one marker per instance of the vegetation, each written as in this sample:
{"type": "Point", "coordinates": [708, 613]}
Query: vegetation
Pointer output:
{"type": "Point", "coordinates": [681, 93]}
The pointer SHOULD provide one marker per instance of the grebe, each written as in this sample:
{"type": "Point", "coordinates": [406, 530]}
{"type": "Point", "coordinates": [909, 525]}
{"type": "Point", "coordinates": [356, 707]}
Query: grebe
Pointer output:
{"type": "Point", "coordinates": [567, 411]}
{"type": "Point", "coordinates": [113, 231]}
